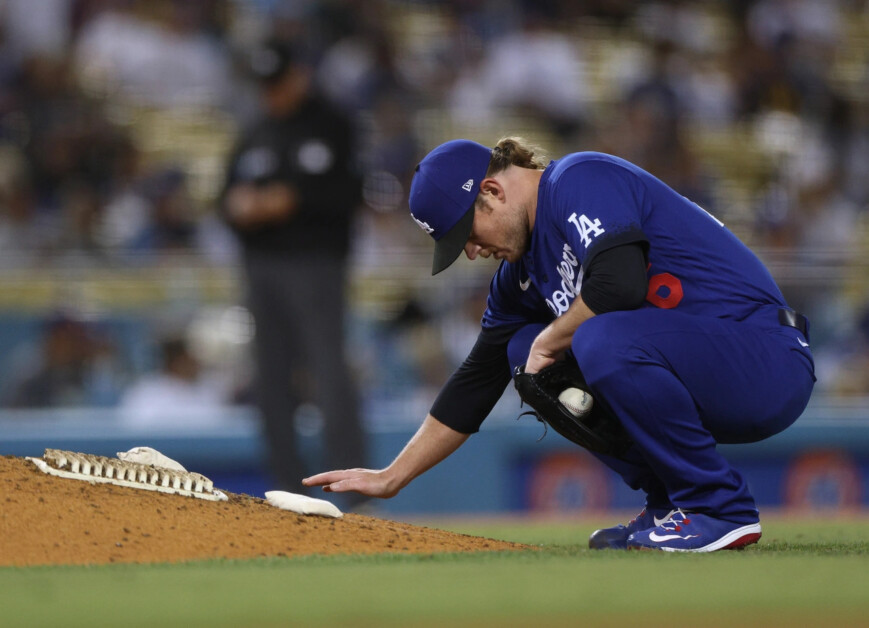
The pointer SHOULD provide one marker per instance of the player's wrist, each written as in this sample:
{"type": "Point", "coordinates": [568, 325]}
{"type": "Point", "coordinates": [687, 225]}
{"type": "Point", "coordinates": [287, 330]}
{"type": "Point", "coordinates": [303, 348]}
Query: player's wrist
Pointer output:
{"type": "Point", "coordinates": [392, 480]}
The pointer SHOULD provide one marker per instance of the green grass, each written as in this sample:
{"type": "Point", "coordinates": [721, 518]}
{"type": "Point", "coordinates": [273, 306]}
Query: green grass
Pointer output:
{"type": "Point", "coordinates": [812, 573]}
{"type": "Point", "coordinates": [815, 534]}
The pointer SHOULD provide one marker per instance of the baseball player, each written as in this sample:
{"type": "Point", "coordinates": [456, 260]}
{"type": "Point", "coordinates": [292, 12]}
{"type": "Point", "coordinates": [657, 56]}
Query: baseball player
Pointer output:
{"type": "Point", "coordinates": [672, 325]}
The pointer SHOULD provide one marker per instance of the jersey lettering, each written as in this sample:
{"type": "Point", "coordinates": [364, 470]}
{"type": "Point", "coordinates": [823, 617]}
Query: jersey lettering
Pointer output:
{"type": "Point", "coordinates": [571, 281]}
{"type": "Point", "coordinates": [586, 228]}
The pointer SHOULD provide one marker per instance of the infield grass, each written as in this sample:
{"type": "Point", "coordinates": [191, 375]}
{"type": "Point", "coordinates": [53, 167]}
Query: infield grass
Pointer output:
{"type": "Point", "coordinates": [804, 572]}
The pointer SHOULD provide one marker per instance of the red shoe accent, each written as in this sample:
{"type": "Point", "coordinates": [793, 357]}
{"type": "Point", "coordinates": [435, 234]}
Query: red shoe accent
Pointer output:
{"type": "Point", "coordinates": [742, 541]}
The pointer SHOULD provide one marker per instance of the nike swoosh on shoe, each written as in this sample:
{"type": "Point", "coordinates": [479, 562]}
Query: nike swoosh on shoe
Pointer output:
{"type": "Point", "coordinates": [668, 537]}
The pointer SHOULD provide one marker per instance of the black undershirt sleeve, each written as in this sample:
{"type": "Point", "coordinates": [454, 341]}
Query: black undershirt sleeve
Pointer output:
{"type": "Point", "coordinates": [616, 279]}
{"type": "Point", "coordinates": [473, 390]}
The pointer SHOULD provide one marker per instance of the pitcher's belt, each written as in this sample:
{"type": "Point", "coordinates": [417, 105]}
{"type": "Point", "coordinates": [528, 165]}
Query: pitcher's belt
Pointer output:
{"type": "Point", "coordinates": [792, 318]}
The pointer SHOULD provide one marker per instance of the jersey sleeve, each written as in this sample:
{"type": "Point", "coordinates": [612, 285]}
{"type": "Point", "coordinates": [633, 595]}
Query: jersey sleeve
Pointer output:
{"type": "Point", "coordinates": [473, 390]}
{"type": "Point", "coordinates": [599, 205]}
{"type": "Point", "coordinates": [513, 302]}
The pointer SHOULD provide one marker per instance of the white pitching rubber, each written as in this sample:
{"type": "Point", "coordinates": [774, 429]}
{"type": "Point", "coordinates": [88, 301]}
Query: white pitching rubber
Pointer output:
{"type": "Point", "coordinates": [303, 504]}
{"type": "Point", "coordinates": [97, 469]}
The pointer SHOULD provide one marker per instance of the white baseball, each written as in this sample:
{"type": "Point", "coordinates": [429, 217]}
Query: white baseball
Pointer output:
{"type": "Point", "coordinates": [576, 400]}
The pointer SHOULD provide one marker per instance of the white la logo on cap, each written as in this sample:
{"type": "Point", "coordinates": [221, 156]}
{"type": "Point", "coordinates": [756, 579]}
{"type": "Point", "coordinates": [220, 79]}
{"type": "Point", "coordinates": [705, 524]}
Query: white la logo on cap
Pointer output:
{"type": "Point", "coordinates": [468, 186]}
{"type": "Point", "coordinates": [425, 226]}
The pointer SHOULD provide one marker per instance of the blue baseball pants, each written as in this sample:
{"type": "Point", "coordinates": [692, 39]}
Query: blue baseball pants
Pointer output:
{"type": "Point", "coordinates": [680, 384]}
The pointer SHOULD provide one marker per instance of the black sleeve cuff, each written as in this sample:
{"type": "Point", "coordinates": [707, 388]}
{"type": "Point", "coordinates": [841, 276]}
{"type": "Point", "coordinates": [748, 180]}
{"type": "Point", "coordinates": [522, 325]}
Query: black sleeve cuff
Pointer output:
{"type": "Point", "coordinates": [473, 390]}
{"type": "Point", "coordinates": [616, 279]}
{"type": "Point", "coordinates": [629, 235]}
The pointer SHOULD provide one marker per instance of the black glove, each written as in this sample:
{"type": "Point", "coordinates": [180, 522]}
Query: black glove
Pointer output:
{"type": "Point", "coordinates": [595, 430]}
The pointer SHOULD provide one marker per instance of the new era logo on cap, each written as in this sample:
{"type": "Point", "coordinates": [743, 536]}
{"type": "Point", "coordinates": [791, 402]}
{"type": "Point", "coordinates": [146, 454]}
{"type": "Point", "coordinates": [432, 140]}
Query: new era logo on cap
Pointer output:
{"type": "Point", "coordinates": [442, 196]}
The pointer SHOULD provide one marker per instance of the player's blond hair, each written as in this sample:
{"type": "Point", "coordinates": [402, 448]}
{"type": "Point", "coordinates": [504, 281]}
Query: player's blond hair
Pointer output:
{"type": "Point", "coordinates": [516, 151]}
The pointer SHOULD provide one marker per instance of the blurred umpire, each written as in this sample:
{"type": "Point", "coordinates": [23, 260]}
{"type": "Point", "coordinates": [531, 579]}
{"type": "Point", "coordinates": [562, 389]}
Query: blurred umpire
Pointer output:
{"type": "Point", "coordinates": [289, 196]}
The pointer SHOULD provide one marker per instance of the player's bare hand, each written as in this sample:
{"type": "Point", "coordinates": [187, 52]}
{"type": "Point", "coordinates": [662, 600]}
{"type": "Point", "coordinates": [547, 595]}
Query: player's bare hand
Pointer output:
{"type": "Point", "coordinates": [540, 357]}
{"type": "Point", "coordinates": [366, 481]}
{"type": "Point", "coordinates": [537, 363]}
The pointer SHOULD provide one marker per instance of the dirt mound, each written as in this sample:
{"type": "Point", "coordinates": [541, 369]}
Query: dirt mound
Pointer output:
{"type": "Point", "coordinates": [45, 520]}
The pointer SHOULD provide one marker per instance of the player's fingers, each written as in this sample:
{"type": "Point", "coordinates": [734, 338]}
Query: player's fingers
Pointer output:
{"type": "Point", "coordinates": [328, 477]}
{"type": "Point", "coordinates": [341, 486]}
{"type": "Point", "coordinates": [365, 484]}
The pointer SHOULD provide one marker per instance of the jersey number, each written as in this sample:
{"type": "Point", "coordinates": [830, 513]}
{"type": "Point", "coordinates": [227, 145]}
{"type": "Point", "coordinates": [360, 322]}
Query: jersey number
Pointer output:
{"type": "Point", "coordinates": [665, 291]}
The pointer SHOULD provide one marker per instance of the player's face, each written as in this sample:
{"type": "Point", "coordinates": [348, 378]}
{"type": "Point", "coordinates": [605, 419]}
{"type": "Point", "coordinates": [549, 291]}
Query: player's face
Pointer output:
{"type": "Point", "coordinates": [500, 231]}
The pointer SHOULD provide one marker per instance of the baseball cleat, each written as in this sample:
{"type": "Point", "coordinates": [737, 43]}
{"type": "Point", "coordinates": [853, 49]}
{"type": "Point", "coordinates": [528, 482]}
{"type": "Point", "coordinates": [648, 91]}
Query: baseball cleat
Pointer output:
{"type": "Point", "coordinates": [694, 532]}
{"type": "Point", "coordinates": [617, 536]}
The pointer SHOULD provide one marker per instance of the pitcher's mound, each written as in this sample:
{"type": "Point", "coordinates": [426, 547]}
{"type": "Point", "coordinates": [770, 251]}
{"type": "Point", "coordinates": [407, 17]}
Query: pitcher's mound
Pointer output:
{"type": "Point", "coordinates": [45, 520]}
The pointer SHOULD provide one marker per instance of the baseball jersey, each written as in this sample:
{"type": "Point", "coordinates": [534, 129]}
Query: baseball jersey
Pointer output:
{"type": "Point", "coordinates": [589, 202]}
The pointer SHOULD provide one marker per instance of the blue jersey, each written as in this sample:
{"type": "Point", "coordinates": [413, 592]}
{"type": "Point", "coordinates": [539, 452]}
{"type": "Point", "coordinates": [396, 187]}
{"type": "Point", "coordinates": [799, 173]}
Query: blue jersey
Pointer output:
{"type": "Point", "coordinates": [589, 202]}
{"type": "Point", "coordinates": [682, 373]}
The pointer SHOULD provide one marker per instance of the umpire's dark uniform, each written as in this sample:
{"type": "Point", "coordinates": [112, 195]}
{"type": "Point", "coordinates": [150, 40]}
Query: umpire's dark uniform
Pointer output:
{"type": "Point", "coordinates": [296, 267]}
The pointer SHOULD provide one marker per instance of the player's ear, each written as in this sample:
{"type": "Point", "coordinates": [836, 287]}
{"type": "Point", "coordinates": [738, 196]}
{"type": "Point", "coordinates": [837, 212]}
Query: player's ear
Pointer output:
{"type": "Point", "coordinates": [491, 186]}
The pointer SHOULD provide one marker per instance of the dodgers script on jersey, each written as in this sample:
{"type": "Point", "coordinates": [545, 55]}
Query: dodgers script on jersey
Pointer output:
{"type": "Point", "coordinates": [589, 202]}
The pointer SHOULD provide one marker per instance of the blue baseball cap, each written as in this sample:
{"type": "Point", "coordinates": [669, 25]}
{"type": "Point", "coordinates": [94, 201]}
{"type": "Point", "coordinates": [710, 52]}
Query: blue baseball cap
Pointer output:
{"type": "Point", "coordinates": [442, 196]}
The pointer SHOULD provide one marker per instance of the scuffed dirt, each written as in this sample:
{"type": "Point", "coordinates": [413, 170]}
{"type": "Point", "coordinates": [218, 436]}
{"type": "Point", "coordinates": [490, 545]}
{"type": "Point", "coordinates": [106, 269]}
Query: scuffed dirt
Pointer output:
{"type": "Point", "coordinates": [45, 520]}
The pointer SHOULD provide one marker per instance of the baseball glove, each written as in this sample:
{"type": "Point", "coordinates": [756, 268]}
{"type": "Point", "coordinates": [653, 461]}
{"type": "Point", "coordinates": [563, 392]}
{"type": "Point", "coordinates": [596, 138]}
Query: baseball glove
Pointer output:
{"type": "Point", "coordinates": [595, 430]}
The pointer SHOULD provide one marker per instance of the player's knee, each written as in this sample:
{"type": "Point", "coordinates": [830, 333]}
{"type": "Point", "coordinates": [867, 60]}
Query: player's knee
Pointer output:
{"type": "Point", "coordinates": [599, 343]}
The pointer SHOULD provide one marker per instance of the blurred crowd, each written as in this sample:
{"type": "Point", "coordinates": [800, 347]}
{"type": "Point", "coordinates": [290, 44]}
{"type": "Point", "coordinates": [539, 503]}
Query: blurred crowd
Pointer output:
{"type": "Point", "coordinates": [116, 117]}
